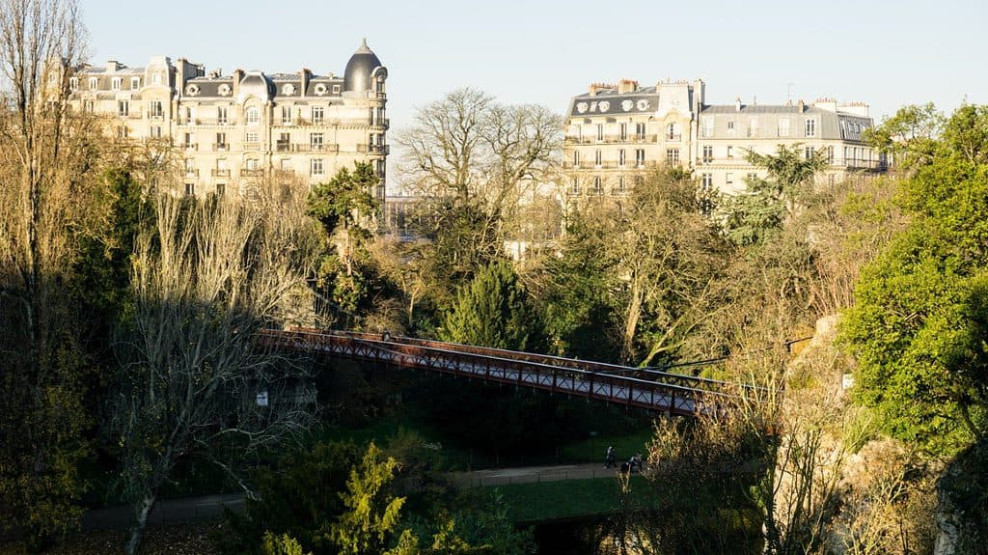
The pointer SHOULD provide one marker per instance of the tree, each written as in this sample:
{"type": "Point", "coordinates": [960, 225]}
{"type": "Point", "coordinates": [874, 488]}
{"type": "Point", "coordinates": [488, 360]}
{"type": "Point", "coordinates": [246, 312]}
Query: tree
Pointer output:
{"type": "Point", "coordinates": [493, 310]}
{"type": "Point", "coordinates": [206, 278]}
{"type": "Point", "coordinates": [49, 198]}
{"type": "Point", "coordinates": [917, 329]}
{"type": "Point", "coordinates": [667, 253]}
{"type": "Point", "coordinates": [908, 136]}
{"type": "Point", "coordinates": [475, 158]}
{"type": "Point", "coordinates": [342, 205]}
{"type": "Point", "coordinates": [760, 210]}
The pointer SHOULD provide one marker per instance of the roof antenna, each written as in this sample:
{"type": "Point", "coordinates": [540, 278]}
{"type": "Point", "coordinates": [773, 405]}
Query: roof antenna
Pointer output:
{"type": "Point", "coordinates": [789, 93]}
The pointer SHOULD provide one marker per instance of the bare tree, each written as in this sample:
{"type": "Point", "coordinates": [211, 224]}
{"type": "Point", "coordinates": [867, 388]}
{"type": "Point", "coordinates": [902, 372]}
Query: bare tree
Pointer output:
{"type": "Point", "coordinates": [194, 382]}
{"type": "Point", "coordinates": [475, 158]}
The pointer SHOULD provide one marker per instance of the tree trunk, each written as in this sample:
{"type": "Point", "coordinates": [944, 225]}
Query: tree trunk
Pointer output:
{"type": "Point", "coordinates": [136, 534]}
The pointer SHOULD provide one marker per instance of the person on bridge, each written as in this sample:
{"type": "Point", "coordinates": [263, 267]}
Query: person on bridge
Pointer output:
{"type": "Point", "coordinates": [610, 458]}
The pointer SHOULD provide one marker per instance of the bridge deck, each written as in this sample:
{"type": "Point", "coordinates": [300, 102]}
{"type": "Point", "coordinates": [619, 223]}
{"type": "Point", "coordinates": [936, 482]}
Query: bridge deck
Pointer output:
{"type": "Point", "coordinates": [650, 389]}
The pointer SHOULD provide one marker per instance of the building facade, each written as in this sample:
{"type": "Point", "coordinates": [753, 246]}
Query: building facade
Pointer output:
{"type": "Point", "coordinates": [227, 130]}
{"type": "Point", "coordinates": [613, 131]}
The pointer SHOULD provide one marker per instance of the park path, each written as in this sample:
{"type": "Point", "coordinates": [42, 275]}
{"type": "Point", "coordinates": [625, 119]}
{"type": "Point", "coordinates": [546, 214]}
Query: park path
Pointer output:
{"type": "Point", "coordinates": [208, 507]}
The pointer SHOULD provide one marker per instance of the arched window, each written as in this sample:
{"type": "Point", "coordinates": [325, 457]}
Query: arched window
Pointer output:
{"type": "Point", "coordinates": [253, 115]}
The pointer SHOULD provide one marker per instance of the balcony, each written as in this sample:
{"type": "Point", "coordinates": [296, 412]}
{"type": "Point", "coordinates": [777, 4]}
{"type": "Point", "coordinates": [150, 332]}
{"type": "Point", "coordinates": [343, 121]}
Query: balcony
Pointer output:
{"type": "Point", "coordinates": [191, 172]}
{"type": "Point", "coordinates": [252, 147]}
{"type": "Point", "coordinates": [284, 173]}
{"type": "Point", "coordinates": [256, 172]}
{"type": "Point", "coordinates": [220, 172]}
{"type": "Point", "coordinates": [221, 147]}
{"type": "Point", "coordinates": [190, 147]}
{"type": "Point", "coordinates": [374, 149]}
{"type": "Point", "coordinates": [674, 136]}
{"type": "Point", "coordinates": [309, 147]}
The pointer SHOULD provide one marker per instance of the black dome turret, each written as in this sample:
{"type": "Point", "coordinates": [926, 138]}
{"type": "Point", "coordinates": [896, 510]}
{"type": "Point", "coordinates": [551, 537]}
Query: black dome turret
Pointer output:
{"type": "Point", "coordinates": [362, 64]}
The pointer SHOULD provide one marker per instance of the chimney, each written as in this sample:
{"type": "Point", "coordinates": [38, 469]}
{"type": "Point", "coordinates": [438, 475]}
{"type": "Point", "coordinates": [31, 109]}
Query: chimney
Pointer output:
{"type": "Point", "coordinates": [737, 104]}
{"type": "Point", "coordinates": [304, 75]}
{"type": "Point", "coordinates": [238, 76]}
{"type": "Point", "coordinates": [112, 66]}
{"type": "Point", "coordinates": [801, 106]}
{"type": "Point", "coordinates": [627, 86]}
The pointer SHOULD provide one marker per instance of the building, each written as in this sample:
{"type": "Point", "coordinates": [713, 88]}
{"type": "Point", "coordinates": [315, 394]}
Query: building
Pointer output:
{"type": "Point", "coordinates": [227, 130]}
{"type": "Point", "coordinates": [615, 130]}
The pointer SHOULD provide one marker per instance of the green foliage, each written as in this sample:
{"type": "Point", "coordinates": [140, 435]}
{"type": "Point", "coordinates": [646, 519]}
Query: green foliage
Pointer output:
{"type": "Point", "coordinates": [493, 310]}
{"type": "Point", "coordinates": [751, 215]}
{"type": "Point", "coordinates": [909, 135]}
{"type": "Point", "coordinates": [372, 514]}
{"type": "Point", "coordinates": [918, 329]}
{"type": "Point", "coordinates": [578, 301]}
{"type": "Point", "coordinates": [281, 545]}
{"type": "Point", "coordinates": [341, 200]}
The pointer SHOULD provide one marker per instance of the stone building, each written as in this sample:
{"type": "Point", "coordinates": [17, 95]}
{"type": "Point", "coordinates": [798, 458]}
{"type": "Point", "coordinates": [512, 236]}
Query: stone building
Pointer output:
{"type": "Point", "coordinates": [225, 130]}
{"type": "Point", "coordinates": [613, 131]}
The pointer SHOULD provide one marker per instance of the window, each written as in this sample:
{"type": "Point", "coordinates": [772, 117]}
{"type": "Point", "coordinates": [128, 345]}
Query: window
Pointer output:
{"type": "Point", "coordinates": [596, 185]}
{"type": "Point", "coordinates": [830, 155]}
{"type": "Point", "coordinates": [672, 132]}
{"type": "Point", "coordinates": [74, 83]}
{"type": "Point", "coordinates": [122, 132]}
{"type": "Point", "coordinates": [155, 131]}
{"type": "Point", "coordinates": [751, 177]}
{"type": "Point", "coordinates": [123, 108]}
{"type": "Point", "coordinates": [156, 79]}
{"type": "Point", "coordinates": [253, 115]}
{"type": "Point", "coordinates": [89, 106]}
{"type": "Point", "coordinates": [316, 166]}
{"type": "Point", "coordinates": [190, 140]}
{"type": "Point", "coordinates": [116, 83]}
{"type": "Point", "coordinates": [811, 128]}
{"type": "Point", "coordinates": [574, 188]}
{"type": "Point", "coordinates": [52, 78]}
{"type": "Point", "coordinates": [708, 127]}
{"type": "Point", "coordinates": [730, 129]}
{"type": "Point", "coordinates": [190, 115]}
{"type": "Point", "coordinates": [620, 185]}
{"type": "Point", "coordinates": [221, 189]}
{"type": "Point", "coordinates": [155, 109]}
{"type": "Point", "coordinates": [707, 181]}
{"type": "Point", "coordinates": [621, 158]}
{"type": "Point", "coordinates": [336, 89]}
{"type": "Point", "coordinates": [753, 127]}
{"type": "Point", "coordinates": [600, 132]}
{"type": "Point", "coordinates": [286, 164]}
{"type": "Point", "coordinates": [640, 157]}
{"type": "Point", "coordinates": [286, 115]}
{"type": "Point", "coordinates": [576, 158]}
{"type": "Point", "coordinates": [316, 141]}
{"type": "Point", "coordinates": [640, 131]}
{"type": "Point", "coordinates": [729, 178]}
{"type": "Point", "coordinates": [190, 189]}
{"type": "Point", "coordinates": [784, 127]}
{"type": "Point", "coordinates": [284, 142]}
{"type": "Point", "coordinates": [93, 83]}
{"type": "Point", "coordinates": [809, 152]}
{"type": "Point", "coordinates": [221, 141]}
{"type": "Point", "coordinates": [672, 155]}
{"type": "Point", "coordinates": [251, 164]}
{"type": "Point", "coordinates": [135, 83]}
{"type": "Point", "coordinates": [730, 151]}
{"type": "Point", "coordinates": [190, 167]}
{"type": "Point", "coordinates": [598, 158]}
{"type": "Point", "coordinates": [624, 131]}
{"type": "Point", "coordinates": [221, 115]}
{"type": "Point", "coordinates": [252, 137]}
{"type": "Point", "coordinates": [317, 114]}
{"type": "Point", "coordinates": [708, 154]}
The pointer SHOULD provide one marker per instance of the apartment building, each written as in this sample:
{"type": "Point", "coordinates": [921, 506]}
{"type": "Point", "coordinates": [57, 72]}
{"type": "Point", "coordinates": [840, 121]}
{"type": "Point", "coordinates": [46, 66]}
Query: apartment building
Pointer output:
{"type": "Point", "coordinates": [227, 130]}
{"type": "Point", "coordinates": [614, 131]}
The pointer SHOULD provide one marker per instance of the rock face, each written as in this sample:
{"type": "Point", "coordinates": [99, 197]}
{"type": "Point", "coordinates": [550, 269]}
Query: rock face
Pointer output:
{"type": "Point", "coordinates": [948, 522]}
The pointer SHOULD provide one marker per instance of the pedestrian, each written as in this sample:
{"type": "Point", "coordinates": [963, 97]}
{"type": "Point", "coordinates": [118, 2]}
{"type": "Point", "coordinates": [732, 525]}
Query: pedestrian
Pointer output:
{"type": "Point", "coordinates": [609, 459]}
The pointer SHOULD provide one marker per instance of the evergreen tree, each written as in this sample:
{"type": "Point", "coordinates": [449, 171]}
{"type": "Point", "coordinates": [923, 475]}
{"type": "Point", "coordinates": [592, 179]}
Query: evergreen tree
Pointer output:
{"type": "Point", "coordinates": [493, 310]}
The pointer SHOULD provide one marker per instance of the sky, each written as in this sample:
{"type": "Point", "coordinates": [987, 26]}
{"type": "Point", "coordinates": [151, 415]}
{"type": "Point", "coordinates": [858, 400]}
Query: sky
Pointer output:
{"type": "Point", "coordinates": [887, 53]}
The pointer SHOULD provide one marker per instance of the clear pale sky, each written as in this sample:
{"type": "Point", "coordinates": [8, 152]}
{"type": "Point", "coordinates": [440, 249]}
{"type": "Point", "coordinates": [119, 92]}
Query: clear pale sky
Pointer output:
{"type": "Point", "coordinates": [885, 53]}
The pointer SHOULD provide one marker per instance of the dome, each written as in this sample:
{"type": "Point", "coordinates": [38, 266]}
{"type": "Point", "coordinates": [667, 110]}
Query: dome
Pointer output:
{"type": "Point", "coordinates": [357, 76]}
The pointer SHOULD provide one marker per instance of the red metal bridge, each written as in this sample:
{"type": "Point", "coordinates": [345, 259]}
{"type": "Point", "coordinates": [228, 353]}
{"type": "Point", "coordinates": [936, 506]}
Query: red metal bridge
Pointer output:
{"type": "Point", "coordinates": [646, 388]}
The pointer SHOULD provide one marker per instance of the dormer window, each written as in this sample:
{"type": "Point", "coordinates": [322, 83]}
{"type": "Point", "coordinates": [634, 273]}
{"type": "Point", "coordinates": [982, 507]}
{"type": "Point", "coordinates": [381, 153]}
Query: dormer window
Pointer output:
{"type": "Point", "coordinates": [115, 83]}
{"type": "Point", "coordinates": [93, 83]}
{"type": "Point", "coordinates": [135, 83]}
{"type": "Point", "coordinates": [253, 115]}
{"type": "Point", "coordinates": [155, 78]}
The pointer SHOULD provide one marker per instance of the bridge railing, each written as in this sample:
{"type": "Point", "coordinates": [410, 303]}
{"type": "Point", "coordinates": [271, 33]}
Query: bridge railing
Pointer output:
{"type": "Point", "coordinates": [492, 365]}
